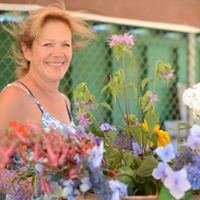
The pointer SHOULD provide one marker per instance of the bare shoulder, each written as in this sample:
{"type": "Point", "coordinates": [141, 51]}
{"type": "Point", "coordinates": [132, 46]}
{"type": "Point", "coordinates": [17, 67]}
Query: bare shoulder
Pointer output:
{"type": "Point", "coordinates": [12, 105]}
{"type": "Point", "coordinates": [12, 94]}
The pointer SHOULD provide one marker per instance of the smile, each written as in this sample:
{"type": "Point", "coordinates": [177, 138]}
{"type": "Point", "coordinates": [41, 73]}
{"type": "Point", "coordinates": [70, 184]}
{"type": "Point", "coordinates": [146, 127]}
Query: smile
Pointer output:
{"type": "Point", "coordinates": [55, 64]}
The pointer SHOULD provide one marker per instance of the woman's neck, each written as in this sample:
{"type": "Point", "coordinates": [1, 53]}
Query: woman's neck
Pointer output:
{"type": "Point", "coordinates": [48, 88]}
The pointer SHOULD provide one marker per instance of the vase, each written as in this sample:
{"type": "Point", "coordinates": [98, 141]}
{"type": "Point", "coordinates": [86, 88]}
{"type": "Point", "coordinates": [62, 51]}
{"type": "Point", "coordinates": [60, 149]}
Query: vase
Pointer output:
{"type": "Point", "coordinates": [146, 197]}
{"type": "Point", "coordinates": [195, 197]}
{"type": "Point", "coordinates": [88, 196]}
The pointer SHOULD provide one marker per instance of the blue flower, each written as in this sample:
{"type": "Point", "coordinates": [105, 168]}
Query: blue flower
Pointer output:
{"type": "Point", "coordinates": [96, 155]}
{"type": "Point", "coordinates": [177, 182]}
{"type": "Point", "coordinates": [159, 172]}
{"type": "Point", "coordinates": [193, 176]}
{"type": "Point", "coordinates": [117, 188]}
{"type": "Point", "coordinates": [107, 127]}
{"type": "Point", "coordinates": [166, 153]}
{"type": "Point", "coordinates": [69, 190]}
{"type": "Point", "coordinates": [193, 140]}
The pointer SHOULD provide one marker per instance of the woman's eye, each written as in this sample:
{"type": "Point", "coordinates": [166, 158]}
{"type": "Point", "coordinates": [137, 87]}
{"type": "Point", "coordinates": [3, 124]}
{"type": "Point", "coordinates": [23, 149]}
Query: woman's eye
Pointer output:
{"type": "Point", "coordinates": [66, 45]}
{"type": "Point", "coordinates": [47, 44]}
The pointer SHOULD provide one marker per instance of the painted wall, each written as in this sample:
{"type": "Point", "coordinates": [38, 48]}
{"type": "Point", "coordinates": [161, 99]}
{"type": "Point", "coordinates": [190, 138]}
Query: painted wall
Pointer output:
{"type": "Point", "coordinates": [184, 12]}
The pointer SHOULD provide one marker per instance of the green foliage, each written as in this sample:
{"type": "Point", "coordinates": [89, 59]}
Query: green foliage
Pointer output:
{"type": "Point", "coordinates": [146, 167]}
{"type": "Point", "coordinates": [165, 195]}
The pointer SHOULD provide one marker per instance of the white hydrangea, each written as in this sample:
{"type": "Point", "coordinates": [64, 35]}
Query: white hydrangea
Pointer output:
{"type": "Point", "coordinates": [191, 98]}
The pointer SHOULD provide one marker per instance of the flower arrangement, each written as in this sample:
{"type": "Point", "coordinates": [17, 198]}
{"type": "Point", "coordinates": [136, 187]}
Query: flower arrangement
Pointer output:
{"type": "Point", "coordinates": [40, 164]}
{"type": "Point", "coordinates": [129, 146]}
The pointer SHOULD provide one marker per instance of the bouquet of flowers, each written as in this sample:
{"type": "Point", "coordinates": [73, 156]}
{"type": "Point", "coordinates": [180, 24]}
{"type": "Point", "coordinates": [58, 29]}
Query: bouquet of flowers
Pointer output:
{"type": "Point", "coordinates": [129, 146]}
{"type": "Point", "coordinates": [52, 165]}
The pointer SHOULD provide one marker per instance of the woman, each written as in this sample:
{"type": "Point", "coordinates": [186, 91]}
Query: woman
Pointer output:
{"type": "Point", "coordinates": [46, 40]}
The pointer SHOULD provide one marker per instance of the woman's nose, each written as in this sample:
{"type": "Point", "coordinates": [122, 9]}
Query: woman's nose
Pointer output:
{"type": "Point", "coordinates": [57, 52]}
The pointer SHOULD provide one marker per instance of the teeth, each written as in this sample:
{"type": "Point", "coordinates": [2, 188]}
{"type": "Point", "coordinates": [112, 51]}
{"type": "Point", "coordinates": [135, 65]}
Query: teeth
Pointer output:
{"type": "Point", "coordinates": [55, 64]}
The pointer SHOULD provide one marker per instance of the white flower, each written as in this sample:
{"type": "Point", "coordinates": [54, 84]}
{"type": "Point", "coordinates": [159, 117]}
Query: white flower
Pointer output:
{"type": "Point", "coordinates": [191, 98]}
{"type": "Point", "coordinates": [117, 188]}
{"type": "Point", "coordinates": [85, 184]}
{"type": "Point", "coordinates": [39, 167]}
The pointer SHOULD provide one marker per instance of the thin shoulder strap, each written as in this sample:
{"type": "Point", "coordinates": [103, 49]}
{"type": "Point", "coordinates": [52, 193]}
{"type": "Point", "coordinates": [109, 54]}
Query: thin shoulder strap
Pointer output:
{"type": "Point", "coordinates": [70, 116]}
{"type": "Point", "coordinates": [30, 94]}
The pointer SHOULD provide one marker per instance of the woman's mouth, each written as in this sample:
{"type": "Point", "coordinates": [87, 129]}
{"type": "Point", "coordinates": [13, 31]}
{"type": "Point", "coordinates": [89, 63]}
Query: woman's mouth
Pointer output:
{"type": "Point", "coordinates": [55, 64]}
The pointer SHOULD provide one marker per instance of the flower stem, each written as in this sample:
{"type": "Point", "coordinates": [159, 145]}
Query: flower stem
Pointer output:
{"type": "Point", "coordinates": [126, 100]}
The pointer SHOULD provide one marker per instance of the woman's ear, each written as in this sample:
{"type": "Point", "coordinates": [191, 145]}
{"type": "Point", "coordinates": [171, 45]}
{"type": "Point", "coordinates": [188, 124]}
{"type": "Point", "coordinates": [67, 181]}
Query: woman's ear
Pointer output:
{"type": "Point", "coordinates": [26, 51]}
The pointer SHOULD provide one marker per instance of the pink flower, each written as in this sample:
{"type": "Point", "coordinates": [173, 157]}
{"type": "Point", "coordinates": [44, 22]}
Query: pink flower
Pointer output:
{"type": "Point", "coordinates": [52, 155]}
{"type": "Point", "coordinates": [167, 75]}
{"type": "Point", "coordinates": [125, 39]}
{"type": "Point", "coordinates": [45, 187]}
{"type": "Point", "coordinates": [6, 154]}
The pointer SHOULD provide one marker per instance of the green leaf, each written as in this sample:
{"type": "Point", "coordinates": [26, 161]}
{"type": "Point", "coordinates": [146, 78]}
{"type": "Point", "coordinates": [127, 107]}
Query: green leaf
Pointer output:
{"type": "Point", "coordinates": [126, 175]}
{"type": "Point", "coordinates": [149, 187]}
{"type": "Point", "coordinates": [135, 89]}
{"type": "Point", "coordinates": [112, 136]}
{"type": "Point", "coordinates": [113, 157]}
{"type": "Point", "coordinates": [129, 182]}
{"type": "Point", "coordinates": [152, 119]}
{"type": "Point", "coordinates": [96, 130]}
{"type": "Point", "coordinates": [136, 132]}
{"type": "Point", "coordinates": [145, 81]}
{"type": "Point", "coordinates": [183, 126]}
{"type": "Point", "coordinates": [106, 105]}
{"type": "Point", "coordinates": [118, 51]}
{"type": "Point", "coordinates": [165, 195]}
{"type": "Point", "coordinates": [147, 166]}
{"type": "Point", "coordinates": [154, 138]}
{"type": "Point", "coordinates": [129, 158]}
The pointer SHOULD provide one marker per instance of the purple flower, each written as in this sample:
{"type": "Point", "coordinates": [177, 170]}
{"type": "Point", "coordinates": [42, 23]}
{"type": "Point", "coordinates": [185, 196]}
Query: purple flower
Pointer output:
{"type": "Point", "coordinates": [83, 119]}
{"type": "Point", "coordinates": [125, 39]}
{"type": "Point", "coordinates": [14, 187]}
{"type": "Point", "coordinates": [166, 153]}
{"type": "Point", "coordinates": [136, 148]}
{"type": "Point", "coordinates": [88, 105]}
{"type": "Point", "coordinates": [177, 182]}
{"type": "Point", "coordinates": [159, 172]}
{"type": "Point", "coordinates": [107, 127]}
{"type": "Point", "coordinates": [96, 139]}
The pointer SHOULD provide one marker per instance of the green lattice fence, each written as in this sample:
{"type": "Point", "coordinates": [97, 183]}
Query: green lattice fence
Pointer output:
{"type": "Point", "coordinates": [95, 63]}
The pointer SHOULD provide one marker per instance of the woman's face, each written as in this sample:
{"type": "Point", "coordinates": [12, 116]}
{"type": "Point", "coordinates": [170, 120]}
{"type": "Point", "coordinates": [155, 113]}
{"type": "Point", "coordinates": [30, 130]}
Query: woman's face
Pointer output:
{"type": "Point", "coordinates": [51, 53]}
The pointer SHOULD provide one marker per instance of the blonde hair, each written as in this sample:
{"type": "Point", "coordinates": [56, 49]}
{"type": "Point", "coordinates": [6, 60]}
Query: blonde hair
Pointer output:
{"type": "Point", "coordinates": [27, 31]}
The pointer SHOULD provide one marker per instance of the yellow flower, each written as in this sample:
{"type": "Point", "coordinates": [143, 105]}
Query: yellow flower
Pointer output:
{"type": "Point", "coordinates": [145, 125]}
{"type": "Point", "coordinates": [163, 136]}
